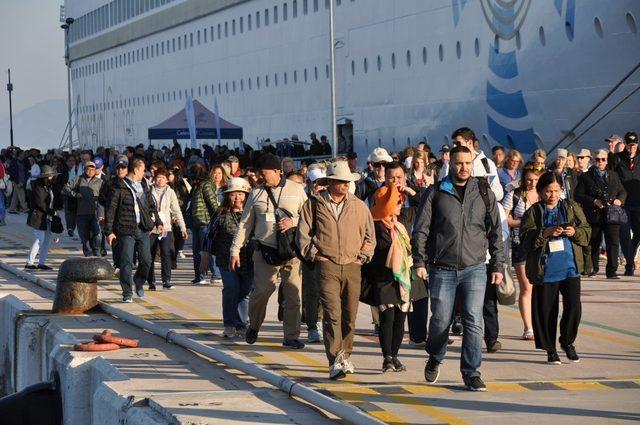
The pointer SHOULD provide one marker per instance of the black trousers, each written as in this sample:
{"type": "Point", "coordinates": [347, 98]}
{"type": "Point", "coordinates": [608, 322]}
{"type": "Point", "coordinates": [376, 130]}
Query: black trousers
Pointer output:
{"type": "Point", "coordinates": [611, 234]}
{"type": "Point", "coordinates": [490, 312]}
{"type": "Point", "coordinates": [391, 331]}
{"type": "Point", "coordinates": [164, 245]}
{"type": "Point", "coordinates": [311, 308]}
{"type": "Point", "coordinates": [545, 305]}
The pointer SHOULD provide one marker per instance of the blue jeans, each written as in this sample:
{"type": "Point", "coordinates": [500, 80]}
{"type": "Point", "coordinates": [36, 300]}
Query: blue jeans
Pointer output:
{"type": "Point", "coordinates": [629, 244]}
{"type": "Point", "coordinates": [3, 209]}
{"type": "Point", "coordinates": [127, 245]}
{"type": "Point", "coordinates": [470, 283]}
{"type": "Point", "coordinates": [89, 232]}
{"type": "Point", "coordinates": [235, 299]}
{"type": "Point", "coordinates": [198, 233]}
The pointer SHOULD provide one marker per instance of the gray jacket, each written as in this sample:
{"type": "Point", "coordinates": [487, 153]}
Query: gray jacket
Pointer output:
{"type": "Point", "coordinates": [86, 191]}
{"type": "Point", "coordinates": [451, 234]}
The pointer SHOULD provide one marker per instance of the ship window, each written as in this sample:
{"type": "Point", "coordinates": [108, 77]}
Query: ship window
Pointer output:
{"type": "Point", "coordinates": [179, 43]}
{"type": "Point", "coordinates": [199, 91]}
{"type": "Point", "coordinates": [315, 72]}
{"type": "Point", "coordinates": [219, 31]}
{"type": "Point", "coordinates": [249, 22]}
{"type": "Point", "coordinates": [258, 82]}
{"type": "Point", "coordinates": [408, 58]}
{"type": "Point", "coordinates": [393, 60]}
{"type": "Point", "coordinates": [326, 70]}
{"type": "Point", "coordinates": [295, 77]}
{"type": "Point", "coordinates": [393, 142]}
{"type": "Point", "coordinates": [441, 52]}
{"type": "Point", "coordinates": [275, 14]}
{"type": "Point", "coordinates": [305, 6]}
{"type": "Point", "coordinates": [190, 40]}
{"type": "Point", "coordinates": [366, 66]}
{"type": "Point", "coordinates": [294, 8]}
{"type": "Point", "coordinates": [266, 17]}
{"type": "Point", "coordinates": [305, 75]}
{"type": "Point", "coordinates": [173, 44]}
{"type": "Point", "coordinates": [198, 36]}
{"type": "Point", "coordinates": [241, 24]}
{"type": "Point", "coordinates": [226, 29]}
{"type": "Point", "coordinates": [204, 34]}
{"type": "Point", "coordinates": [285, 12]}
{"type": "Point", "coordinates": [266, 81]}
{"type": "Point", "coordinates": [315, 5]}
{"type": "Point", "coordinates": [212, 89]}
{"type": "Point", "coordinates": [568, 29]}
{"type": "Point", "coordinates": [379, 142]}
{"type": "Point", "coordinates": [631, 23]}
{"type": "Point", "coordinates": [233, 85]}
{"type": "Point", "coordinates": [285, 78]}
{"type": "Point", "coordinates": [477, 47]}
{"type": "Point", "coordinates": [598, 27]}
{"type": "Point", "coordinates": [379, 61]}
{"type": "Point", "coordinates": [206, 92]}
{"type": "Point", "coordinates": [249, 82]}
{"type": "Point", "coordinates": [353, 68]}
{"type": "Point", "coordinates": [458, 49]}
{"type": "Point", "coordinates": [219, 88]}
{"type": "Point", "coordinates": [226, 87]}
{"type": "Point", "coordinates": [192, 92]}
{"type": "Point", "coordinates": [275, 79]}
{"type": "Point", "coordinates": [233, 27]}
{"type": "Point", "coordinates": [424, 55]}
{"type": "Point", "coordinates": [543, 38]}
{"type": "Point", "coordinates": [257, 19]}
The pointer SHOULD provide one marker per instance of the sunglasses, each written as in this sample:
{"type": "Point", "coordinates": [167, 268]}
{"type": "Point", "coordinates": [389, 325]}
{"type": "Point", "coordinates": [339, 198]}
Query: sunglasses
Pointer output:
{"type": "Point", "coordinates": [582, 157]}
{"type": "Point", "coordinates": [532, 167]}
{"type": "Point", "coordinates": [601, 159]}
{"type": "Point", "coordinates": [378, 164]}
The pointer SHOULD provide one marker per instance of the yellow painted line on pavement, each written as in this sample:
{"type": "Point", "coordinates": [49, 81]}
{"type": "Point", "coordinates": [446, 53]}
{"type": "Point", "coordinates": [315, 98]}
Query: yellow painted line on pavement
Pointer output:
{"type": "Point", "coordinates": [417, 404]}
{"type": "Point", "coordinates": [501, 387]}
{"type": "Point", "coordinates": [426, 389]}
{"type": "Point", "coordinates": [582, 386]}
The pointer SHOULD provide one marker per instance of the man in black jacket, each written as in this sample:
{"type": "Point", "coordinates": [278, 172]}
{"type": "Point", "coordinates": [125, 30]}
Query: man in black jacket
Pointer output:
{"type": "Point", "coordinates": [136, 213]}
{"type": "Point", "coordinates": [457, 221]}
{"type": "Point", "coordinates": [628, 169]}
{"type": "Point", "coordinates": [597, 189]}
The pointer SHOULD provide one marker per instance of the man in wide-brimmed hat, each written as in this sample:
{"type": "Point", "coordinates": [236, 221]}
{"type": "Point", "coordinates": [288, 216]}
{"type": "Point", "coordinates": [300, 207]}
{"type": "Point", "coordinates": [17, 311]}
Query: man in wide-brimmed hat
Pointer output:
{"type": "Point", "coordinates": [336, 233]}
{"type": "Point", "coordinates": [272, 207]}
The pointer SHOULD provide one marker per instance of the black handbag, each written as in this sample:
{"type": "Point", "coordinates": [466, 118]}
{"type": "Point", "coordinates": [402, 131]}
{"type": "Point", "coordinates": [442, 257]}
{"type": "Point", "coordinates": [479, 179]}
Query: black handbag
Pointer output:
{"type": "Point", "coordinates": [616, 215]}
{"type": "Point", "coordinates": [286, 245]}
{"type": "Point", "coordinates": [56, 225]}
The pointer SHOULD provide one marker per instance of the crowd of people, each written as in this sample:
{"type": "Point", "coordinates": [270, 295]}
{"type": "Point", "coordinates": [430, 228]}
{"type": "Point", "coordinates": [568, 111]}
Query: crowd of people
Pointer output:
{"type": "Point", "coordinates": [415, 231]}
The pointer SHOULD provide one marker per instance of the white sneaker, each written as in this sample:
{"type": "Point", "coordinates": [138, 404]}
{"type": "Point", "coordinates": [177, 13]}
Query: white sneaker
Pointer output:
{"type": "Point", "coordinates": [336, 371]}
{"type": "Point", "coordinates": [181, 255]}
{"type": "Point", "coordinates": [348, 366]}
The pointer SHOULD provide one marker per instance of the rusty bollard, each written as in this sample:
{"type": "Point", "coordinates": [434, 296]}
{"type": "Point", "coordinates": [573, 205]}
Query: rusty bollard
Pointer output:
{"type": "Point", "coordinates": [77, 291]}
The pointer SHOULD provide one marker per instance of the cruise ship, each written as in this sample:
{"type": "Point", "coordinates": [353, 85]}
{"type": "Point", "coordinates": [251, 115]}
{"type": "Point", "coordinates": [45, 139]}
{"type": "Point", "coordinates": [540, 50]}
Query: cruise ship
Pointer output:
{"type": "Point", "coordinates": [521, 73]}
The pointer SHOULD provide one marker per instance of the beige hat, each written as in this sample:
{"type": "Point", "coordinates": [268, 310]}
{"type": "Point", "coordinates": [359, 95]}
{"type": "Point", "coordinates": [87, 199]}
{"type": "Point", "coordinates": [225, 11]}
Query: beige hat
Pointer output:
{"type": "Point", "coordinates": [339, 170]}
{"type": "Point", "coordinates": [238, 184]}
{"type": "Point", "coordinates": [584, 153]}
{"type": "Point", "coordinates": [379, 155]}
{"type": "Point", "coordinates": [601, 153]}
{"type": "Point", "coordinates": [562, 153]}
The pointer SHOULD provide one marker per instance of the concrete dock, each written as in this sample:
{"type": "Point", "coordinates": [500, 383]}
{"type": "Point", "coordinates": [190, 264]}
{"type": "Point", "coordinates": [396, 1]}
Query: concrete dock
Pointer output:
{"type": "Point", "coordinates": [603, 388]}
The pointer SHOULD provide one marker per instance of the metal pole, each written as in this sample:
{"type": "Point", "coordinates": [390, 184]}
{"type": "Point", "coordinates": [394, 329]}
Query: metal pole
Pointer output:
{"type": "Point", "coordinates": [10, 89]}
{"type": "Point", "coordinates": [66, 39]}
{"type": "Point", "coordinates": [332, 66]}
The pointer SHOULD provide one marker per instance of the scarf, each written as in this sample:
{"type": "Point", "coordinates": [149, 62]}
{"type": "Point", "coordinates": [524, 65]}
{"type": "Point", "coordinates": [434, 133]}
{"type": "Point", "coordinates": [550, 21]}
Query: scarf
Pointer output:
{"type": "Point", "coordinates": [399, 258]}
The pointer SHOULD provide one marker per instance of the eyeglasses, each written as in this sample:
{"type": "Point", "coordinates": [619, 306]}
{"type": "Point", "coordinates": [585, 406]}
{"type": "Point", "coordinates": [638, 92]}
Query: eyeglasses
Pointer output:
{"type": "Point", "coordinates": [379, 164]}
{"type": "Point", "coordinates": [601, 159]}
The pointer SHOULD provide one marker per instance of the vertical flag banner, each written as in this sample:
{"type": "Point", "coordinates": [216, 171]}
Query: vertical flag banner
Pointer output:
{"type": "Point", "coordinates": [217, 112]}
{"type": "Point", "coordinates": [191, 122]}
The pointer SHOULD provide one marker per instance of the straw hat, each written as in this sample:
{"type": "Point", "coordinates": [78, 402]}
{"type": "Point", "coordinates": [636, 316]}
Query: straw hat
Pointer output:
{"type": "Point", "coordinates": [238, 184]}
{"type": "Point", "coordinates": [385, 201]}
{"type": "Point", "coordinates": [339, 170]}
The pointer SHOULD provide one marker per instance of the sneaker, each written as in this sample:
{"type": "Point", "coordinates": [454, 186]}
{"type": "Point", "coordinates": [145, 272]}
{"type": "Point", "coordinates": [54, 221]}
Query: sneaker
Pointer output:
{"type": "Point", "coordinates": [70, 233]}
{"type": "Point", "coordinates": [140, 292]}
{"type": "Point", "coordinates": [251, 336]}
{"type": "Point", "coordinates": [181, 255]}
{"type": "Point", "coordinates": [229, 332]}
{"type": "Point", "coordinates": [152, 287]}
{"type": "Point", "coordinates": [313, 337]}
{"type": "Point", "coordinates": [167, 285]}
{"type": "Point", "coordinates": [398, 365]}
{"type": "Point", "coordinates": [387, 365]}
{"type": "Point", "coordinates": [570, 351]}
{"type": "Point", "coordinates": [44, 267]}
{"type": "Point", "coordinates": [30, 266]}
{"type": "Point", "coordinates": [199, 281]}
{"type": "Point", "coordinates": [432, 370]}
{"type": "Point", "coordinates": [348, 366]}
{"type": "Point", "coordinates": [416, 344]}
{"type": "Point", "coordinates": [450, 341]}
{"type": "Point", "coordinates": [613, 276]}
{"type": "Point", "coordinates": [336, 371]}
{"type": "Point", "coordinates": [103, 252]}
{"type": "Point", "coordinates": [628, 271]}
{"type": "Point", "coordinates": [594, 273]}
{"type": "Point", "coordinates": [215, 279]}
{"type": "Point", "coordinates": [553, 358]}
{"type": "Point", "coordinates": [116, 272]}
{"type": "Point", "coordinates": [127, 299]}
{"type": "Point", "coordinates": [456, 327]}
{"type": "Point", "coordinates": [474, 383]}
{"type": "Point", "coordinates": [494, 347]}
{"type": "Point", "coordinates": [295, 344]}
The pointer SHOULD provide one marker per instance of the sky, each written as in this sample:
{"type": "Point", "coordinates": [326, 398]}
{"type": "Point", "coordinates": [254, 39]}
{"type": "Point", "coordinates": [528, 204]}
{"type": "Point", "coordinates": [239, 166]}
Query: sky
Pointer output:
{"type": "Point", "coordinates": [33, 47]}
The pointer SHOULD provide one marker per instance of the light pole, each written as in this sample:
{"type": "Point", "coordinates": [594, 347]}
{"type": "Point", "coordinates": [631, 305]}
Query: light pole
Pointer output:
{"type": "Point", "coordinates": [66, 26]}
{"type": "Point", "coordinates": [332, 66]}
{"type": "Point", "coordinates": [10, 89]}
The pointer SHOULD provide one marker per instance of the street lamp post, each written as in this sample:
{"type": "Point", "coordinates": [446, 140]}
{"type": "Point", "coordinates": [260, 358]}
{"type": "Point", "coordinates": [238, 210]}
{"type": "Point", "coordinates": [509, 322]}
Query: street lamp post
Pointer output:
{"type": "Point", "coordinates": [332, 66]}
{"type": "Point", "coordinates": [10, 89]}
{"type": "Point", "coordinates": [66, 26]}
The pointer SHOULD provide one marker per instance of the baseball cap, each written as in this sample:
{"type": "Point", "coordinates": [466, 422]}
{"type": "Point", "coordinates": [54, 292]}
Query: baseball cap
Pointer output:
{"type": "Point", "coordinates": [98, 162]}
{"type": "Point", "coordinates": [562, 153]}
{"type": "Point", "coordinates": [122, 162]}
{"type": "Point", "coordinates": [233, 158]}
{"type": "Point", "coordinates": [631, 138]}
{"type": "Point", "coordinates": [445, 148]}
{"type": "Point", "coordinates": [90, 164]}
{"type": "Point", "coordinates": [613, 138]}
{"type": "Point", "coordinates": [352, 155]}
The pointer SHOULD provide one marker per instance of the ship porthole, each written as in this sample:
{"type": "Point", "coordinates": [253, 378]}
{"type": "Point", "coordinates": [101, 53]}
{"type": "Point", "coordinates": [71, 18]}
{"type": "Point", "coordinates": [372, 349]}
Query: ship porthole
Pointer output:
{"type": "Point", "coordinates": [477, 47]}
{"type": "Point", "coordinates": [543, 38]}
{"type": "Point", "coordinates": [598, 27]}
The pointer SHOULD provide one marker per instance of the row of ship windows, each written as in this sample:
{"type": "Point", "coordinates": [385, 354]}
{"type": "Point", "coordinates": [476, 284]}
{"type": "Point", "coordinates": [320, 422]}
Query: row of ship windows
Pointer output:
{"type": "Point", "coordinates": [118, 11]}
{"type": "Point", "coordinates": [169, 46]}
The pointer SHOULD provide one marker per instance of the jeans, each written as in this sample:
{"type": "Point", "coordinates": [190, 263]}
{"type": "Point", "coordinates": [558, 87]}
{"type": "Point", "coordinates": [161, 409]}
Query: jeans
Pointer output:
{"type": "Point", "coordinates": [470, 283]}
{"type": "Point", "coordinates": [198, 233]}
{"type": "Point", "coordinates": [3, 210]}
{"type": "Point", "coordinates": [235, 299]}
{"type": "Point", "coordinates": [89, 232]}
{"type": "Point", "coordinates": [127, 245]}
{"type": "Point", "coordinates": [629, 245]}
{"type": "Point", "coordinates": [164, 245]}
{"type": "Point", "coordinates": [40, 245]}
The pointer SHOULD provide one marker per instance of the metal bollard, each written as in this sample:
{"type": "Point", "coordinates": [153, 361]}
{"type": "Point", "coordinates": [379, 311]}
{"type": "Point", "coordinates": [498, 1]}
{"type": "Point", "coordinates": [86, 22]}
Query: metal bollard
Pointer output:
{"type": "Point", "coordinates": [76, 290]}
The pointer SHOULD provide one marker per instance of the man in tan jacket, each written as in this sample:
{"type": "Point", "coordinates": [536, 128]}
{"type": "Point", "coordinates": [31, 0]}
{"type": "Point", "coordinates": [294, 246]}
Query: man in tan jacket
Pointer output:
{"type": "Point", "coordinates": [336, 232]}
{"type": "Point", "coordinates": [259, 218]}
